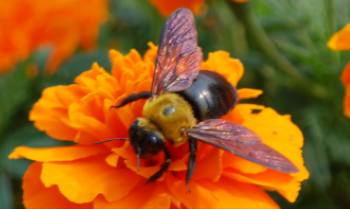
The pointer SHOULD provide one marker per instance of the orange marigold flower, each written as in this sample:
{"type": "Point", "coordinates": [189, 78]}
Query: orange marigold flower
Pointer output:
{"type": "Point", "coordinates": [89, 175]}
{"type": "Point", "coordinates": [166, 7]}
{"type": "Point", "coordinates": [346, 81]}
{"type": "Point", "coordinates": [240, 1]}
{"type": "Point", "coordinates": [341, 41]}
{"type": "Point", "coordinates": [26, 25]}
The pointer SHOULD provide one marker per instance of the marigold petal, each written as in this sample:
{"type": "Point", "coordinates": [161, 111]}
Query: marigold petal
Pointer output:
{"type": "Point", "coordinates": [341, 39]}
{"type": "Point", "coordinates": [238, 163]}
{"type": "Point", "coordinates": [222, 63]}
{"type": "Point", "coordinates": [52, 154]}
{"type": "Point", "coordinates": [240, 1]}
{"type": "Point", "coordinates": [345, 77]}
{"type": "Point", "coordinates": [347, 101]}
{"type": "Point", "coordinates": [50, 114]}
{"type": "Point", "coordinates": [281, 135]}
{"type": "Point", "coordinates": [210, 166]}
{"type": "Point", "coordinates": [232, 194]}
{"type": "Point", "coordinates": [82, 180]}
{"type": "Point", "coordinates": [285, 184]}
{"type": "Point", "coordinates": [249, 93]}
{"type": "Point", "coordinates": [223, 194]}
{"type": "Point", "coordinates": [112, 160]}
{"type": "Point", "coordinates": [30, 25]}
{"type": "Point", "coordinates": [166, 8]}
{"type": "Point", "coordinates": [36, 195]}
{"type": "Point", "coordinates": [146, 196]}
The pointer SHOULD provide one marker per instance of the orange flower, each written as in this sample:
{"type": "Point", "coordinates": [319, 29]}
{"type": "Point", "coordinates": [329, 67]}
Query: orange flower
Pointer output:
{"type": "Point", "coordinates": [341, 41]}
{"type": "Point", "coordinates": [240, 1]}
{"type": "Point", "coordinates": [166, 7]}
{"type": "Point", "coordinates": [346, 81]}
{"type": "Point", "coordinates": [88, 175]}
{"type": "Point", "coordinates": [26, 25]}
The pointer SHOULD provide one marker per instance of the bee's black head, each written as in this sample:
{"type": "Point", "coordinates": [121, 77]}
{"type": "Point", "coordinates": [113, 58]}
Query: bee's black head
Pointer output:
{"type": "Point", "coordinates": [145, 138]}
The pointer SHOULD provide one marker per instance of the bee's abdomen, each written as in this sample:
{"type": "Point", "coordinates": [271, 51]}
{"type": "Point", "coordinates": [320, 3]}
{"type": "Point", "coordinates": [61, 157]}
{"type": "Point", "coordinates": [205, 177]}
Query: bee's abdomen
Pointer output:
{"type": "Point", "coordinates": [210, 95]}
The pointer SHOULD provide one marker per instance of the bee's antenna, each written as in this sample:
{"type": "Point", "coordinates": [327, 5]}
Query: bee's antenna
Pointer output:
{"type": "Point", "coordinates": [109, 140]}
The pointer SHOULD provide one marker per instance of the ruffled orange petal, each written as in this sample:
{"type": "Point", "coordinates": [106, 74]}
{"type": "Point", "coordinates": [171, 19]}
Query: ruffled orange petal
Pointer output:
{"type": "Point", "coordinates": [345, 77]}
{"type": "Point", "coordinates": [82, 112]}
{"type": "Point", "coordinates": [249, 93]}
{"type": "Point", "coordinates": [30, 25]}
{"type": "Point", "coordinates": [285, 184]}
{"type": "Point", "coordinates": [222, 63]}
{"type": "Point", "coordinates": [223, 194]}
{"type": "Point", "coordinates": [347, 101]}
{"type": "Point", "coordinates": [50, 113]}
{"type": "Point", "coordinates": [36, 195]}
{"type": "Point", "coordinates": [341, 39]}
{"type": "Point", "coordinates": [240, 1]}
{"type": "Point", "coordinates": [210, 166]}
{"type": "Point", "coordinates": [80, 181]}
{"type": "Point", "coordinates": [281, 135]}
{"type": "Point", "coordinates": [147, 196]}
{"type": "Point", "coordinates": [53, 154]}
{"type": "Point", "coordinates": [167, 7]}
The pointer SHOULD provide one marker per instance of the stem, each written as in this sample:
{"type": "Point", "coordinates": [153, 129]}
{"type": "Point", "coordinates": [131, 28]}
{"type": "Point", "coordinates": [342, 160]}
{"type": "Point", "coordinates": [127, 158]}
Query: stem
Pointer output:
{"type": "Point", "coordinates": [244, 13]}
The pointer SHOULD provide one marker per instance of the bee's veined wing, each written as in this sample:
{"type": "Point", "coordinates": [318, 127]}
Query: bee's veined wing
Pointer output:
{"type": "Point", "coordinates": [178, 59]}
{"type": "Point", "coordinates": [242, 142]}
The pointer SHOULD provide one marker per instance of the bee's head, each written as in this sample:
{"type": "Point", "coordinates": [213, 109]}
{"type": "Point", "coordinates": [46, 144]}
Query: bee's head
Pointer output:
{"type": "Point", "coordinates": [145, 137]}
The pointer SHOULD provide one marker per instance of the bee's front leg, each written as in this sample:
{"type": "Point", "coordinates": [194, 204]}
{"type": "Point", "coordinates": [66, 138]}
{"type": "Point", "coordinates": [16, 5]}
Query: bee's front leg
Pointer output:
{"type": "Point", "coordinates": [164, 167]}
{"type": "Point", "coordinates": [191, 160]}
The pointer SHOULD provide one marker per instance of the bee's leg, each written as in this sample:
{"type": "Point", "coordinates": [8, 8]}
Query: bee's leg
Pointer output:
{"type": "Point", "coordinates": [132, 98]}
{"type": "Point", "coordinates": [191, 160]}
{"type": "Point", "coordinates": [164, 167]}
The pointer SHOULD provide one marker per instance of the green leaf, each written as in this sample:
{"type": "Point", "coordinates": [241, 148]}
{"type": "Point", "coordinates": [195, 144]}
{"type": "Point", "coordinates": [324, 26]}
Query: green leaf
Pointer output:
{"type": "Point", "coordinates": [24, 136]}
{"type": "Point", "coordinates": [6, 193]}
{"type": "Point", "coordinates": [15, 90]}
{"type": "Point", "coordinates": [76, 65]}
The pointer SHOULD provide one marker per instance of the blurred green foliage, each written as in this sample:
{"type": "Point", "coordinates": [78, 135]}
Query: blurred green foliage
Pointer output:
{"type": "Point", "coordinates": [283, 46]}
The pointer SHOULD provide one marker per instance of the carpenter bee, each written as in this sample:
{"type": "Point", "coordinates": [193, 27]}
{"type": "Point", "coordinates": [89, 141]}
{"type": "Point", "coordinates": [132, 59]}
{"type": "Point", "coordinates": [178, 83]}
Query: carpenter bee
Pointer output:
{"type": "Point", "coordinates": [184, 105]}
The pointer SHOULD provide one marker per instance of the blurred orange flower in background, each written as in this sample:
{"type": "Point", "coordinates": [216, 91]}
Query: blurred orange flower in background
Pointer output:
{"type": "Point", "coordinates": [26, 25]}
{"type": "Point", "coordinates": [341, 41]}
{"type": "Point", "coordinates": [166, 7]}
{"type": "Point", "coordinates": [240, 1]}
{"type": "Point", "coordinates": [89, 175]}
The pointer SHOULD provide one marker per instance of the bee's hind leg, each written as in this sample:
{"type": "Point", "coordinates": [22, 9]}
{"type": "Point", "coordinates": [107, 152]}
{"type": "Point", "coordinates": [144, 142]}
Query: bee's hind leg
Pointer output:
{"type": "Point", "coordinates": [164, 167]}
{"type": "Point", "coordinates": [191, 160]}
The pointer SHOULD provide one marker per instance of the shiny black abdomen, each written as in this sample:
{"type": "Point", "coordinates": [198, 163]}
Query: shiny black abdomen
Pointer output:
{"type": "Point", "coordinates": [210, 95]}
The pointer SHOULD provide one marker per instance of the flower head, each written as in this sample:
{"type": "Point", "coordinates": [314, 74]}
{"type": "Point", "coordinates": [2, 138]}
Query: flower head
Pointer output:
{"type": "Point", "coordinates": [341, 41]}
{"type": "Point", "coordinates": [167, 7]}
{"type": "Point", "coordinates": [91, 175]}
{"type": "Point", "coordinates": [26, 25]}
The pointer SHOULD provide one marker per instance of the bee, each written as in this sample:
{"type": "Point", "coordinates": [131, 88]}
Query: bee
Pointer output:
{"type": "Point", "coordinates": [185, 104]}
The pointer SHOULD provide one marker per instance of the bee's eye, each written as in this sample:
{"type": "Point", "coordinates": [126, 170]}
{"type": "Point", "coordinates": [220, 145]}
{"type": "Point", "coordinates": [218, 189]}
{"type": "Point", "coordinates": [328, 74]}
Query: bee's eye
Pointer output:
{"type": "Point", "coordinates": [168, 110]}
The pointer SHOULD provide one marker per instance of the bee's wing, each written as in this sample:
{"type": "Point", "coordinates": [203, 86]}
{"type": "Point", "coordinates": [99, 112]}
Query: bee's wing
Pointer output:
{"type": "Point", "coordinates": [242, 142]}
{"type": "Point", "coordinates": [178, 59]}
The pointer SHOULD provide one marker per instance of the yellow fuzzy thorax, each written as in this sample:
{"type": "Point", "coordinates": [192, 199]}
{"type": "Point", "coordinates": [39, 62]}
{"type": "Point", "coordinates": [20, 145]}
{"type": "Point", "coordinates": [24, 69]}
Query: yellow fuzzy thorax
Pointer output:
{"type": "Point", "coordinates": [172, 114]}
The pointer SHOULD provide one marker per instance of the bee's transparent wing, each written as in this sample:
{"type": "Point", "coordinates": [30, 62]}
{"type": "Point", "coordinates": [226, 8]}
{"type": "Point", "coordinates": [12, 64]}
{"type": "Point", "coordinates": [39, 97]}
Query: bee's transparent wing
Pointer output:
{"type": "Point", "coordinates": [242, 142]}
{"type": "Point", "coordinates": [179, 57]}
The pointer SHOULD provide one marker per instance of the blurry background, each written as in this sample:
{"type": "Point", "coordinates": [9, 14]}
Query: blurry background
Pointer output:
{"type": "Point", "coordinates": [282, 44]}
